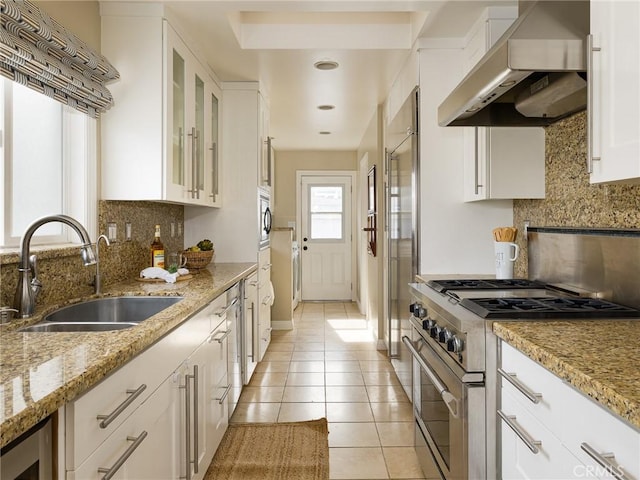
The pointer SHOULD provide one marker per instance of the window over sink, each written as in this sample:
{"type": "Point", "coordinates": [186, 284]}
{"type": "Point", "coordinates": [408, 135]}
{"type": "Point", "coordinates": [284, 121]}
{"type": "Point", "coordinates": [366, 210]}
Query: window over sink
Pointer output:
{"type": "Point", "coordinates": [49, 153]}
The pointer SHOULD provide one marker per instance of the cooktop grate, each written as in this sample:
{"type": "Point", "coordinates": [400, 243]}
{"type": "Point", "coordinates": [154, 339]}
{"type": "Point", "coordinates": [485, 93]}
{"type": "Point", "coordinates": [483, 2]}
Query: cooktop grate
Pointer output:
{"type": "Point", "coordinates": [488, 284]}
{"type": "Point", "coordinates": [547, 307]}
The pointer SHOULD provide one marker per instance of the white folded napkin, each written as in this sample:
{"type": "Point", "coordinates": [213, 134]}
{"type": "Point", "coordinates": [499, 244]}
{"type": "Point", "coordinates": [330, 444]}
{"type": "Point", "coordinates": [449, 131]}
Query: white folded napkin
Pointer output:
{"type": "Point", "coordinates": [157, 272]}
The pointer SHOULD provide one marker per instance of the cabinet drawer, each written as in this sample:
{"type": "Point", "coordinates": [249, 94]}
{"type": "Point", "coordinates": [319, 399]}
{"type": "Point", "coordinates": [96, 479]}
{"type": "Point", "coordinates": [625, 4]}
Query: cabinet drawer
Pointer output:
{"type": "Point", "coordinates": [154, 457]}
{"type": "Point", "coordinates": [114, 395]}
{"type": "Point", "coordinates": [535, 379]}
{"type": "Point", "coordinates": [587, 422]}
{"type": "Point", "coordinates": [219, 347]}
{"type": "Point", "coordinates": [264, 266]}
{"type": "Point", "coordinates": [552, 461]}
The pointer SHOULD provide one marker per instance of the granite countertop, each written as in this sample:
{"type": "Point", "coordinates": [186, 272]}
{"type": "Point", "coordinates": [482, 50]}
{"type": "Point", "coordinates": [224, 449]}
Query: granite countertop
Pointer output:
{"type": "Point", "coordinates": [40, 372]}
{"type": "Point", "coordinates": [599, 357]}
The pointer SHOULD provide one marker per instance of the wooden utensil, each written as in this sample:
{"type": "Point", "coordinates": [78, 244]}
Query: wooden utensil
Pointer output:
{"type": "Point", "coordinates": [505, 234]}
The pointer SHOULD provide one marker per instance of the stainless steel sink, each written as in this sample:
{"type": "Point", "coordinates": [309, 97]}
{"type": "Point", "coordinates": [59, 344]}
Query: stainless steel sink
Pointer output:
{"type": "Point", "coordinates": [102, 314]}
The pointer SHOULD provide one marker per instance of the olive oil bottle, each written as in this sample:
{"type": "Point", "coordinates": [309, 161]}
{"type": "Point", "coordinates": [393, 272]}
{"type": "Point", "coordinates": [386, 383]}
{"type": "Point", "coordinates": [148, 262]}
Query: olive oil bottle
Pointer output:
{"type": "Point", "coordinates": [157, 250]}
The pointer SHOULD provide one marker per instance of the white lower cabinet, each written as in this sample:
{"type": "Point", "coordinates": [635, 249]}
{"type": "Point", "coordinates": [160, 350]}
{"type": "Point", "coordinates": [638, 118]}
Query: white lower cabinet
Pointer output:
{"type": "Point", "coordinates": [550, 431]}
{"type": "Point", "coordinates": [265, 298]}
{"type": "Point", "coordinates": [161, 416]}
{"type": "Point", "coordinates": [250, 328]}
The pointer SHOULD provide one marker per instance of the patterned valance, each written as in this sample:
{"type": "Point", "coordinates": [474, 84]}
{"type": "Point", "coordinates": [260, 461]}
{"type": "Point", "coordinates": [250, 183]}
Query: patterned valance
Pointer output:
{"type": "Point", "coordinates": [36, 51]}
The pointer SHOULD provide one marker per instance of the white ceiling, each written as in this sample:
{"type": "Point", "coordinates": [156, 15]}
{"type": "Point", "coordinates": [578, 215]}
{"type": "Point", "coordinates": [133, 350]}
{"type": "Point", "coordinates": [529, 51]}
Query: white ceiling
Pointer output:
{"type": "Point", "coordinates": [277, 43]}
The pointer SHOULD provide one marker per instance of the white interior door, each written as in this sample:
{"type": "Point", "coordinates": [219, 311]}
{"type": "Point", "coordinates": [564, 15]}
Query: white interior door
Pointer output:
{"type": "Point", "coordinates": [326, 237]}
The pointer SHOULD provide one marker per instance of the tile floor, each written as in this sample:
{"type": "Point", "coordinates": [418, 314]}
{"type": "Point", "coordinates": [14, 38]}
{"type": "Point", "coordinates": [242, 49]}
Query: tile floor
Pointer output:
{"type": "Point", "coordinates": [328, 366]}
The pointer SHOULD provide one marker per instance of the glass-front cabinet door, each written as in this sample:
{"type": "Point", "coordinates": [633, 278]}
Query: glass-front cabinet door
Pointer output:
{"type": "Point", "coordinates": [175, 181]}
{"type": "Point", "coordinates": [196, 135]}
{"type": "Point", "coordinates": [212, 147]}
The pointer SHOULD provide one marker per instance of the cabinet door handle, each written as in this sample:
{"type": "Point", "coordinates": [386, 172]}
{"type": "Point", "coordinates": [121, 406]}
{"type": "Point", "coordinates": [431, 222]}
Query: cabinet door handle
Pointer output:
{"type": "Point", "coordinates": [224, 395]}
{"type": "Point", "coordinates": [194, 165]}
{"type": "Point", "coordinates": [253, 332]}
{"type": "Point", "coordinates": [266, 266]}
{"type": "Point", "coordinates": [590, 104]}
{"type": "Point", "coordinates": [220, 339]}
{"type": "Point", "coordinates": [267, 300]}
{"type": "Point", "coordinates": [110, 472]}
{"type": "Point", "coordinates": [605, 460]}
{"type": "Point", "coordinates": [214, 171]}
{"type": "Point", "coordinates": [224, 310]}
{"type": "Point", "coordinates": [187, 411]}
{"type": "Point", "coordinates": [521, 387]}
{"type": "Point", "coordinates": [476, 162]}
{"type": "Point", "coordinates": [105, 420]}
{"type": "Point", "coordinates": [510, 420]}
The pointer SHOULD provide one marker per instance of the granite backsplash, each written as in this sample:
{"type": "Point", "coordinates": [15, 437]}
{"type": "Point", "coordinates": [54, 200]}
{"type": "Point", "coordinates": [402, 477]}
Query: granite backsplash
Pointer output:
{"type": "Point", "coordinates": [571, 201]}
{"type": "Point", "coordinates": [61, 270]}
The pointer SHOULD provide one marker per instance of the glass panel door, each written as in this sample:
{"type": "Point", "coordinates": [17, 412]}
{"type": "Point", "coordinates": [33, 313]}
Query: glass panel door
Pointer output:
{"type": "Point", "coordinates": [199, 142]}
{"type": "Point", "coordinates": [215, 172]}
{"type": "Point", "coordinates": [178, 119]}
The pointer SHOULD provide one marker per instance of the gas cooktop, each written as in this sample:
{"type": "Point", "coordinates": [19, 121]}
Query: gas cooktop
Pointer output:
{"type": "Point", "coordinates": [488, 284]}
{"type": "Point", "coordinates": [547, 307]}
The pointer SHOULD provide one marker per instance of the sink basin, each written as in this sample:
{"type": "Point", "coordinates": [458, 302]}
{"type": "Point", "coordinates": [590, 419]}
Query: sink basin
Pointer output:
{"type": "Point", "coordinates": [102, 314]}
{"type": "Point", "coordinates": [77, 326]}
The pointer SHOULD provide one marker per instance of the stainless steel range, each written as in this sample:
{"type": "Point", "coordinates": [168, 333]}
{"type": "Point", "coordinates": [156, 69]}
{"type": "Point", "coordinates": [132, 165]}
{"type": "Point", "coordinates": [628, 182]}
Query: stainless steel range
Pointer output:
{"type": "Point", "coordinates": [455, 362]}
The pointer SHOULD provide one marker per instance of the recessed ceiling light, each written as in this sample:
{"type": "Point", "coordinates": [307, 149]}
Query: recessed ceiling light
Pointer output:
{"type": "Point", "coordinates": [326, 107]}
{"type": "Point", "coordinates": [326, 65]}
{"type": "Point", "coordinates": [324, 132]}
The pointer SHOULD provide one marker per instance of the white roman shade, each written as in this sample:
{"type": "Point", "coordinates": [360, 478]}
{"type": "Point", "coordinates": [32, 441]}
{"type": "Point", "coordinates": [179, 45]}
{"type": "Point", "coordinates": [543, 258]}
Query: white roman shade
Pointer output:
{"type": "Point", "coordinates": [36, 51]}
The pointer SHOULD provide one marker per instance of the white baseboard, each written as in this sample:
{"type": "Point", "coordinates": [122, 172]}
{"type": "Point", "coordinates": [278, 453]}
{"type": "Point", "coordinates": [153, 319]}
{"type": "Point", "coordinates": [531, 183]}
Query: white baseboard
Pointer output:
{"type": "Point", "coordinates": [282, 324]}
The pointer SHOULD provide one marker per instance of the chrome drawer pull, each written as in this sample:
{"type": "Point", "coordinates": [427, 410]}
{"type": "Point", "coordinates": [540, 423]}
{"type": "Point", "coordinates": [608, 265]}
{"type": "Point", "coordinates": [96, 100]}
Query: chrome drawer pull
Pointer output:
{"type": "Point", "coordinates": [267, 300]}
{"type": "Point", "coordinates": [227, 389]}
{"type": "Point", "coordinates": [133, 394]}
{"type": "Point", "coordinates": [531, 444]}
{"type": "Point", "coordinates": [110, 472]}
{"type": "Point", "coordinates": [224, 310]}
{"type": "Point", "coordinates": [225, 334]}
{"type": "Point", "coordinates": [521, 387]}
{"type": "Point", "coordinates": [604, 459]}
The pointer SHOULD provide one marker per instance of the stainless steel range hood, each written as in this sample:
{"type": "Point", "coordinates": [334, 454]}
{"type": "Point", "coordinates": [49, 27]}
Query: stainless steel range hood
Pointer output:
{"type": "Point", "coordinates": [533, 75]}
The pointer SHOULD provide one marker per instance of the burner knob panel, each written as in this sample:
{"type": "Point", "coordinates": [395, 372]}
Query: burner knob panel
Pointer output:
{"type": "Point", "coordinates": [444, 335]}
{"type": "Point", "coordinates": [455, 344]}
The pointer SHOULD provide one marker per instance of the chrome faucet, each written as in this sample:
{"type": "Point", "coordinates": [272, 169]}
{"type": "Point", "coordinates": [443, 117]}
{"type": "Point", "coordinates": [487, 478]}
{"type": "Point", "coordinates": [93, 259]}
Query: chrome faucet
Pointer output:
{"type": "Point", "coordinates": [27, 291]}
{"type": "Point", "coordinates": [97, 281]}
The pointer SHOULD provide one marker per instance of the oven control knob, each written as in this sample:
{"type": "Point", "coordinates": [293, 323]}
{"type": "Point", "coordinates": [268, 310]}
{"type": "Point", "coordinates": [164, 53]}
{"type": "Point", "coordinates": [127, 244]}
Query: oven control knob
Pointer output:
{"type": "Point", "coordinates": [427, 323]}
{"type": "Point", "coordinates": [418, 310]}
{"type": "Point", "coordinates": [445, 335]}
{"type": "Point", "coordinates": [434, 331]}
{"type": "Point", "coordinates": [455, 344]}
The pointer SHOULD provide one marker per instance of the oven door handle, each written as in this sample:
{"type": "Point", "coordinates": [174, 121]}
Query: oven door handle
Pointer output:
{"type": "Point", "coordinates": [449, 400]}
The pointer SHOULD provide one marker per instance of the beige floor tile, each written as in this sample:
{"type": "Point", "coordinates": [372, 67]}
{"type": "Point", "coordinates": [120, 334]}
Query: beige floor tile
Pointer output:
{"type": "Point", "coordinates": [344, 378]}
{"type": "Point", "coordinates": [261, 394]}
{"type": "Point", "coordinates": [272, 367]}
{"type": "Point", "coordinates": [303, 394]}
{"type": "Point", "coordinates": [356, 463]}
{"type": "Point", "coordinates": [380, 378]}
{"type": "Point", "coordinates": [372, 355]}
{"type": "Point", "coordinates": [310, 366]}
{"type": "Point", "coordinates": [402, 462]}
{"type": "Point", "coordinates": [392, 412]}
{"type": "Point", "coordinates": [342, 366]}
{"type": "Point", "coordinates": [386, 393]}
{"type": "Point", "coordinates": [307, 356]}
{"type": "Point", "coordinates": [396, 434]}
{"type": "Point", "coordinates": [349, 412]}
{"type": "Point", "coordinates": [310, 347]}
{"type": "Point", "coordinates": [340, 356]}
{"type": "Point", "coordinates": [305, 379]}
{"type": "Point", "coordinates": [353, 434]}
{"type": "Point", "coordinates": [281, 346]}
{"type": "Point", "coordinates": [268, 379]}
{"type": "Point", "coordinates": [343, 394]}
{"type": "Point", "coordinates": [300, 412]}
{"type": "Point", "coordinates": [255, 413]}
{"type": "Point", "coordinates": [369, 366]}
{"type": "Point", "coordinates": [277, 357]}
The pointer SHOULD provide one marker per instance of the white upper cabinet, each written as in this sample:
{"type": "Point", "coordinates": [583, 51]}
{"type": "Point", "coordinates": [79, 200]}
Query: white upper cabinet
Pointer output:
{"type": "Point", "coordinates": [266, 170]}
{"type": "Point", "coordinates": [504, 162]}
{"type": "Point", "coordinates": [160, 140]}
{"type": "Point", "coordinates": [614, 92]}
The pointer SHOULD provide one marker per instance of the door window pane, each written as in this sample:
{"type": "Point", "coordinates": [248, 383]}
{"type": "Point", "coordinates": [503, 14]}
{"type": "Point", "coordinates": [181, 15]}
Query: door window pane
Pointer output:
{"type": "Point", "coordinates": [178, 118]}
{"type": "Point", "coordinates": [326, 212]}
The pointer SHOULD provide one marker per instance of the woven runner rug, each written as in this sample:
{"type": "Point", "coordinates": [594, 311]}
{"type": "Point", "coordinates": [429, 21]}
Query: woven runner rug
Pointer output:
{"type": "Point", "coordinates": [273, 451]}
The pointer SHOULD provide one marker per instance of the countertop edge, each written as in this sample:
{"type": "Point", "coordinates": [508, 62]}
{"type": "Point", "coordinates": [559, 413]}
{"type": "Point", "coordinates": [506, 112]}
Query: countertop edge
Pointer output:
{"type": "Point", "coordinates": [605, 395]}
{"type": "Point", "coordinates": [18, 423]}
